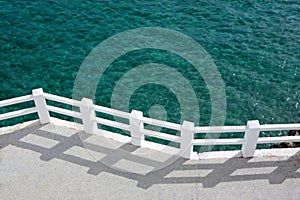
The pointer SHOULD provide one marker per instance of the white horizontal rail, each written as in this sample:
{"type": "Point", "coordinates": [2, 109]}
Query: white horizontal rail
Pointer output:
{"type": "Point", "coordinates": [60, 99]}
{"type": "Point", "coordinates": [17, 113]}
{"type": "Point", "coordinates": [279, 127]}
{"type": "Point", "coordinates": [64, 111]}
{"type": "Point", "coordinates": [161, 123]}
{"type": "Point", "coordinates": [114, 124]}
{"type": "Point", "coordinates": [278, 139]}
{"type": "Point", "coordinates": [160, 135]}
{"type": "Point", "coordinates": [218, 141]}
{"type": "Point", "coordinates": [137, 120]}
{"type": "Point", "coordinates": [16, 100]}
{"type": "Point", "coordinates": [112, 111]}
{"type": "Point", "coordinates": [233, 129]}
{"type": "Point", "coordinates": [220, 129]}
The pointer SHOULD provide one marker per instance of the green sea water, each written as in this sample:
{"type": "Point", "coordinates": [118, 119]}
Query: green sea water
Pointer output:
{"type": "Point", "coordinates": [254, 44]}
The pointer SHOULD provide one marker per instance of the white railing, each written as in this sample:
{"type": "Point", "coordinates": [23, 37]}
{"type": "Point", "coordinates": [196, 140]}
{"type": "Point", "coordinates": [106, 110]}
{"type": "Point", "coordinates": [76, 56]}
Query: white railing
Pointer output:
{"type": "Point", "coordinates": [136, 121]}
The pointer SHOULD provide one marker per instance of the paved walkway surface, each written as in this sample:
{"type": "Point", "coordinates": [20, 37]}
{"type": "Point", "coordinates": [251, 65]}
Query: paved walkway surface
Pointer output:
{"type": "Point", "coordinates": [56, 162]}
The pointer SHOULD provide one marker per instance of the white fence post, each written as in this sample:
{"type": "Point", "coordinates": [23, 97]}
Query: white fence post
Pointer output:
{"type": "Point", "coordinates": [40, 104]}
{"type": "Point", "coordinates": [250, 138]}
{"type": "Point", "coordinates": [136, 126]}
{"type": "Point", "coordinates": [88, 116]}
{"type": "Point", "coordinates": [187, 139]}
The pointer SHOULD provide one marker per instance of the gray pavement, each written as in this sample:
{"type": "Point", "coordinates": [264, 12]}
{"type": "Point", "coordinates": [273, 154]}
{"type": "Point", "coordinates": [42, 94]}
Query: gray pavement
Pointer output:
{"type": "Point", "coordinates": [56, 162]}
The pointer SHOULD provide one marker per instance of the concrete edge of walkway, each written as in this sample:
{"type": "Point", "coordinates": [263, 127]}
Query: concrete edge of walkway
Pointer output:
{"type": "Point", "coordinates": [151, 145]}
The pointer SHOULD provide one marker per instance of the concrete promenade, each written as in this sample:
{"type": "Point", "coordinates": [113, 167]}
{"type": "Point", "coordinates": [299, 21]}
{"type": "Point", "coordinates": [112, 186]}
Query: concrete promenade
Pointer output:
{"type": "Point", "coordinates": [60, 162]}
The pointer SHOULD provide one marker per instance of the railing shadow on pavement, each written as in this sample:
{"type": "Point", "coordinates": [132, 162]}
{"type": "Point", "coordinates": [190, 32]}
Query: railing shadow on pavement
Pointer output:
{"type": "Point", "coordinates": [226, 171]}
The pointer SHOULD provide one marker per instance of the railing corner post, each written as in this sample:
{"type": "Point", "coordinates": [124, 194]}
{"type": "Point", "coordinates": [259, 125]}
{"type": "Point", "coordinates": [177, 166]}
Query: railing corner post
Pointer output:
{"type": "Point", "coordinates": [88, 115]}
{"type": "Point", "coordinates": [41, 106]}
{"type": "Point", "coordinates": [250, 138]}
{"type": "Point", "coordinates": [187, 139]}
{"type": "Point", "coordinates": [136, 126]}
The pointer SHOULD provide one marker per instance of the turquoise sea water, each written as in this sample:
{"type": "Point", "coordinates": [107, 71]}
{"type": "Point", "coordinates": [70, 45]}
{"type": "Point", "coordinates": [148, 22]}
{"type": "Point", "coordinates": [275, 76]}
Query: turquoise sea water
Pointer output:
{"type": "Point", "coordinates": [255, 46]}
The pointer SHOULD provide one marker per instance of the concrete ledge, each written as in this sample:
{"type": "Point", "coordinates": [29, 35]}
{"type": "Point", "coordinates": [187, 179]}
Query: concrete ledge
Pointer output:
{"type": "Point", "coordinates": [9, 129]}
{"type": "Point", "coordinates": [154, 146]}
